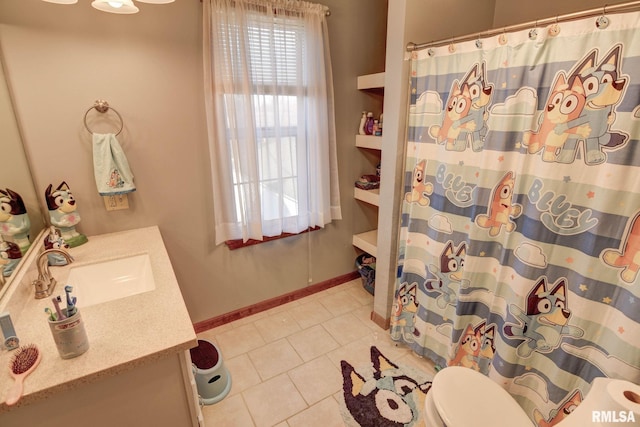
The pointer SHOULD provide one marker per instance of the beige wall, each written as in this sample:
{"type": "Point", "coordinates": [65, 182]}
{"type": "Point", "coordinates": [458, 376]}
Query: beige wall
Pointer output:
{"type": "Point", "coordinates": [510, 12]}
{"type": "Point", "coordinates": [148, 66]}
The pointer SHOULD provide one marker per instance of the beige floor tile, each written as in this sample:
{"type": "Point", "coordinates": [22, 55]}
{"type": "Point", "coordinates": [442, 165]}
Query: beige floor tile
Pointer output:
{"type": "Point", "coordinates": [317, 379]}
{"type": "Point", "coordinates": [211, 333]}
{"type": "Point", "coordinates": [250, 319]}
{"type": "Point", "coordinates": [274, 358]}
{"type": "Point", "coordinates": [229, 412]}
{"type": "Point", "coordinates": [273, 401]}
{"type": "Point", "coordinates": [421, 363]}
{"type": "Point", "coordinates": [364, 315]}
{"type": "Point", "coordinates": [357, 353]}
{"type": "Point", "coordinates": [243, 373]}
{"type": "Point", "coordinates": [339, 303]}
{"type": "Point", "coordinates": [310, 313]}
{"type": "Point", "coordinates": [284, 307]}
{"type": "Point", "coordinates": [323, 414]}
{"type": "Point", "coordinates": [359, 294]}
{"type": "Point", "coordinates": [312, 342]}
{"type": "Point", "coordinates": [276, 326]}
{"type": "Point", "coordinates": [239, 340]}
{"type": "Point", "coordinates": [346, 328]}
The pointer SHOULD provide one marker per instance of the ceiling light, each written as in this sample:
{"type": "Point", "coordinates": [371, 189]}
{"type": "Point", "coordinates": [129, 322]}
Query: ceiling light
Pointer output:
{"type": "Point", "coordinates": [115, 6]}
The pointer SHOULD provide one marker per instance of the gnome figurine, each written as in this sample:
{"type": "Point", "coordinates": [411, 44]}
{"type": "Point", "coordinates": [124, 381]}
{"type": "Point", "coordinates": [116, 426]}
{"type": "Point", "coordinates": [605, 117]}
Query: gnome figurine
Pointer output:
{"type": "Point", "coordinates": [63, 214]}
{"type": "Point", "coordinates": [14, 221]}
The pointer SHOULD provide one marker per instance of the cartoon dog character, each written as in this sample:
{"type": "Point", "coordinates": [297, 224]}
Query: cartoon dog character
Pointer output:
{"type": "Point", "coordinates": [54, 240]}
{"type": "Point", "coordinates": [563, 105]}
{"type": "Point", "coordinates": [404, 308]}
{"type": "Point", "coordinates": [545, 321]}
{"type": "Point", "coordinates": [469, 347]}
{"type": "Point", "coordinates": [63, 214]}
{"type": "Point", "coordinates": [627, 256]}
{"type": "Point", "coordinates": [557, 415]}
{"type": "Point", "coordinates": [449, 271]}
{"type": "Point", "coordinates": [14, 221]}
{"type": "Point", "coordinates": [386, 400]}
{"type": "Point", "coordinates": [501, 209]}
{"type": "Point", "coordinates": [487, 349]}
{"type": "Point", "coordinates": [10, 256]}
{"type": "Point", "coordinates": [420, 190]}
{"type": "Point", "coordinates": [604, 87]}
{"type": "Point", "coordinates": [458, 106]}
{"type": "Point", "coordinates": [480, 95]}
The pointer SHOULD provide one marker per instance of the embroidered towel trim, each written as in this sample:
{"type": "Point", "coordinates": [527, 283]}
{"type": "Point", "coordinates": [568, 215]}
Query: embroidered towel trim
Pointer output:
{"type": "Point", "coordinates": [110, 166]}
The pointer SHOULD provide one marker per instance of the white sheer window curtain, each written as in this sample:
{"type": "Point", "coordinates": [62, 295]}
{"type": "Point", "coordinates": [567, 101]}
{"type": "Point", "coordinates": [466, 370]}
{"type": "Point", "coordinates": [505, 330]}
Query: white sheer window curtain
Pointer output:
{"type": "Point", "coordinates": [270, 117]}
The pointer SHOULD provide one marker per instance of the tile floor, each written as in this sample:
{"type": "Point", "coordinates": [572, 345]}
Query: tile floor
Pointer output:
{"type": "Point", "coordinates": [285, 362]}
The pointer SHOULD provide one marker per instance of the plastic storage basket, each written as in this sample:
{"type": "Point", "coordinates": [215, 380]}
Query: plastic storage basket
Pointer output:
{"type": "Point", "coordinates": [367, 268]}
{"type": "Point", "coordinates": [212, 377]}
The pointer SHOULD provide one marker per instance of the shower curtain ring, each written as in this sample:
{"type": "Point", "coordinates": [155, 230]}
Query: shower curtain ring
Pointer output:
{"type": "Point", "coordinates": [602, 21]}
{"type": "Point", "coordinates": [502, 38]}
{"type": "Point", "coordinates": [533, 33]}
{"type": "Point", "coordinates": [452, 45]}
{"type": "Point", "coordinates": [554, 29]}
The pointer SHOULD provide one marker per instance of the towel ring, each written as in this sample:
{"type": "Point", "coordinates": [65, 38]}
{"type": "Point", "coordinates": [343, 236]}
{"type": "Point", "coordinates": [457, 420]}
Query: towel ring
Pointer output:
{"type": "Point", "coordinates": [102, 106]}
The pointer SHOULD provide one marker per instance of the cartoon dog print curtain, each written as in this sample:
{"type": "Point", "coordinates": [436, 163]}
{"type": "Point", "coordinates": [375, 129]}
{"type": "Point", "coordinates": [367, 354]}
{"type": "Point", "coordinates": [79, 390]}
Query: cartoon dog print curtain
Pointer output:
{"type": "Point", "coordinates": [520, 238]}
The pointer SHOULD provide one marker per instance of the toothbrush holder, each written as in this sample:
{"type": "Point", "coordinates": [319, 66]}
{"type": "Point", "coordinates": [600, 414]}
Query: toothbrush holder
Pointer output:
{"type": "Point", "coordinates": [69, 335]}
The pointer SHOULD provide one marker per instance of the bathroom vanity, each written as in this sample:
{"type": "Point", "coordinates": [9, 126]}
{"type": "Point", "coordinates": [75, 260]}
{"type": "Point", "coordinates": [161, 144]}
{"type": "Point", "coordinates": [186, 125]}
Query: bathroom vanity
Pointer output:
{"type": "Point", "coordinates": [137, 371]}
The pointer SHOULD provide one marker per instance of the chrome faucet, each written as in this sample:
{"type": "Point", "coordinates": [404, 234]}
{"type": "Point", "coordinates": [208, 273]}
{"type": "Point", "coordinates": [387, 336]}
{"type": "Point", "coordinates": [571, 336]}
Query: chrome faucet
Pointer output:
{"type": "Point", "coordinates": [45, 283]}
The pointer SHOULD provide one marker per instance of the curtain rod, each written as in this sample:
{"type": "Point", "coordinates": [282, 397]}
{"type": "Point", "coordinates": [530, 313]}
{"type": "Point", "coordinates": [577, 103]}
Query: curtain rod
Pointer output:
{"type": "Point", "coordinates": [621, 7]}
{"type": "Point", "coordinates": [327, 13]}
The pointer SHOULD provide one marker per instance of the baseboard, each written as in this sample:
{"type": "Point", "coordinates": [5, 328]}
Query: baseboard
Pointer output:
{"type": "Point", "coordinates": [380, 321]}
{"type": "Point", "coordinates": [273, 302]}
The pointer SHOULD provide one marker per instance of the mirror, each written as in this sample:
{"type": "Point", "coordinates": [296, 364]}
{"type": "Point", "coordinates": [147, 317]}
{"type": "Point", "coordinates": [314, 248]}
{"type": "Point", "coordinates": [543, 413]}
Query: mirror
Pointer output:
{"type": "Point", "coordinates": [17, 192]}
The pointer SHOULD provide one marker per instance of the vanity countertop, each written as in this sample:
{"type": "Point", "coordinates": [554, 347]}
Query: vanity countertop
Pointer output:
{"type": "Point", "coordinates": [122, 333]}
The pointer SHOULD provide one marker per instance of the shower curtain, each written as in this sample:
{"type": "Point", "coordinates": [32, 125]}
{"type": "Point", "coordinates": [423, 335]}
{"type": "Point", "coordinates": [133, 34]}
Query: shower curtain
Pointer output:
{"type": "Point", "coordinates": [520, 239]}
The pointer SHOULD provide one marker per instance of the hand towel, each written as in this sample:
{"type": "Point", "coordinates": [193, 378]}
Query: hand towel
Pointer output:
{"type": "Point", "coordinates": [110, 166]}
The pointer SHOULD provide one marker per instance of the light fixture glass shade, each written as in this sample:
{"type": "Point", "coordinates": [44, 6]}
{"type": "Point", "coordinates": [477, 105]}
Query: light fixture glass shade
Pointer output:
{"type": "Point", "coordinates": [115, 6]}
{"type": "Point", "coordinates": [62, 1]}
{"type": "Point", "coordinates": [156, 1]}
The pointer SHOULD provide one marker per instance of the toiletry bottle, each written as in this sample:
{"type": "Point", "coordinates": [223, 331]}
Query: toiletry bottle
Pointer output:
{"type": "Point", "coordinates": [368, 128]}
{"type": "Point", "coordinates": [363, 122]}
{"type": "Point", "coordinates": [376, 128]}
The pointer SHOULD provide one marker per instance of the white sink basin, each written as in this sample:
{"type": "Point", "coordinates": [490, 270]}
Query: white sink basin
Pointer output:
{"type": "Point", "coordinates": [111, 280]}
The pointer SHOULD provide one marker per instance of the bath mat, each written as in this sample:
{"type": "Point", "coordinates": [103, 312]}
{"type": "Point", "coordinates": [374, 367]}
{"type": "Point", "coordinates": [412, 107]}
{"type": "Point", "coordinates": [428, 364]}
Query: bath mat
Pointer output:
{"type": "Point", "coordinates": [387, 395]}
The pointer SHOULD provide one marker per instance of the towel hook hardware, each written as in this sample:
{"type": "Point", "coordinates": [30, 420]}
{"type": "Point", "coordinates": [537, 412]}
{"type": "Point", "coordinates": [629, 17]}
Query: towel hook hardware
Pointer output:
{"type": "Point", "coordinates": [102, 106]}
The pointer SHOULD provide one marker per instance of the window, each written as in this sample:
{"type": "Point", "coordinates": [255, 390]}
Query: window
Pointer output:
{"type": "Point", "coordinates": [270, 118]}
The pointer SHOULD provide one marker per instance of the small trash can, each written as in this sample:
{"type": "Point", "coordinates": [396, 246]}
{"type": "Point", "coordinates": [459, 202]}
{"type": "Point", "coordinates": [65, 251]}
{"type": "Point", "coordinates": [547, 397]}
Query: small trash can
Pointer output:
{"type": "Point", "coordinates": [212, 377]}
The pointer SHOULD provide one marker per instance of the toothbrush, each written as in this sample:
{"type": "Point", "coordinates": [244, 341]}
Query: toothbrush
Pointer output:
{"type": "Point", "coordinates": [52, 316]}
{"type": "Point", "coordinates": [56, 304]}
{"type": "Point", "coordinates": [71, 302]}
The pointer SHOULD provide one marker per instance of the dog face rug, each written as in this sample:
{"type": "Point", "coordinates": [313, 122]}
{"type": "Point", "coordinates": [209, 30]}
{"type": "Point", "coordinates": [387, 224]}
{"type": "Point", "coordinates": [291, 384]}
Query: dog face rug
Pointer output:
{"type": "Point", "coordinates": [393, 396]}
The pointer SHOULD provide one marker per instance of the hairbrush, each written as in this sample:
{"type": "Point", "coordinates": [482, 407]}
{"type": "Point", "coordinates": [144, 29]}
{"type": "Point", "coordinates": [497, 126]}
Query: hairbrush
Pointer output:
{"type": "Point", "coordinates": [22, 364]}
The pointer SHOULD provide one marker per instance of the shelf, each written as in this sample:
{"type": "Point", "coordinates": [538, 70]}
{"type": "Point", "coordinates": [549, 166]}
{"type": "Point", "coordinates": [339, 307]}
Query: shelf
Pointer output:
{"type": "Point", "coordinates": [368, 196]}
{"type": "Point", "coordinates": [367, 241]}
{"type": "Point", "coordinates": [369, 141]}
{"type": "Point", "coordinates": [371, 81]}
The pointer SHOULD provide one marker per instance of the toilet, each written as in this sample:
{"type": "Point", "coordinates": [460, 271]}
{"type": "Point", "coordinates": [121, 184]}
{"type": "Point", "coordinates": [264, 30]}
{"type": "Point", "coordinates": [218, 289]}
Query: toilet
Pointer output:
{"type": "Point", "coordinates": [462, 397]}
